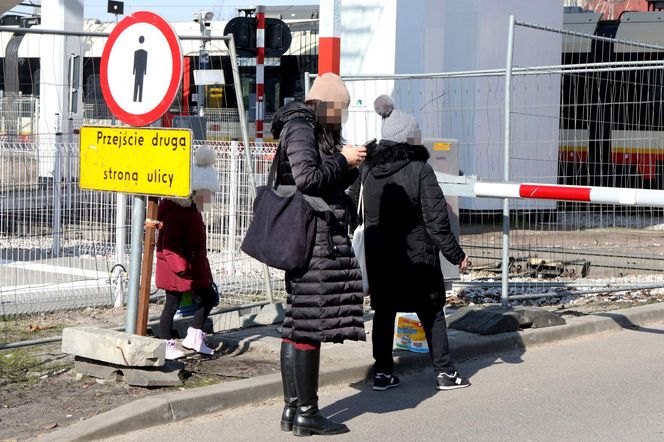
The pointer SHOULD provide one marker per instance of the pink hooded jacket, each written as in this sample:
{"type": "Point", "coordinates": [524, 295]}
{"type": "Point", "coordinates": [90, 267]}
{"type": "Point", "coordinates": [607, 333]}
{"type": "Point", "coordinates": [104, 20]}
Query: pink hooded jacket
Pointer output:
{"type": "Point", "coordinates": [182, 263]}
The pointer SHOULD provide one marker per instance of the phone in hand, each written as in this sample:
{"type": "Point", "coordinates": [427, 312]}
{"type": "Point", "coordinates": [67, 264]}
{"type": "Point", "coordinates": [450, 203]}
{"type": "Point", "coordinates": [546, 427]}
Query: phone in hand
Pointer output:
{"type": "Point", "coordinates": [369, 142]}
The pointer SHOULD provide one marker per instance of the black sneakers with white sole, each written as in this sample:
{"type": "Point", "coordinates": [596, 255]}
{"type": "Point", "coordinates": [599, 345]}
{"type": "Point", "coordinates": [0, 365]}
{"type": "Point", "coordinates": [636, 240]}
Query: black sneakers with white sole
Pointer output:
{"type": "Point", "coordinates": [451, 381]}
{"type": "Point", "coordinates": [384, 381]}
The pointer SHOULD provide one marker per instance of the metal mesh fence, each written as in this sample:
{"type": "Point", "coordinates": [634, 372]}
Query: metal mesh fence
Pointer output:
{"type": "Point", "coordinates": [59, 244]}
{"type": "Point", "coordinates": [592, 122]}
{"type": "Point", "coordinates": [592, 119]}
{"type": "Point", "coordinates": [63, 247]}
{"type": "Point", "coordinates": [18, 115]}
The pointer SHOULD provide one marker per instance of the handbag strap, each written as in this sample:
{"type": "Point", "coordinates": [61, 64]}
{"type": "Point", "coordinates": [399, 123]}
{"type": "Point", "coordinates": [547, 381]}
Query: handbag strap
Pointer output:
{"type": "Point", "coordinates": [360, 204]}
{"type": "Point", "coordinates": [276, 162]}
{"type": "Point", "coordinates": [364, 173]}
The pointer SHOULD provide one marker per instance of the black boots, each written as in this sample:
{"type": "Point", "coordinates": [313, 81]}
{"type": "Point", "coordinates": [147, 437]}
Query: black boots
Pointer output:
{"type": "Point", "coordinates": [308, 419]}
{"type": "Point", "coordinates": [299, 375]}
{"type": "Point", "coordinates": [288, 381]}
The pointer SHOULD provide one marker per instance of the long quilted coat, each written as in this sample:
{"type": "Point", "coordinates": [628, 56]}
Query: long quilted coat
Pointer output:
{"type": "Point", "coordinates": [325, 303]}
{"type": "Point", "coordinates": [406, 225]}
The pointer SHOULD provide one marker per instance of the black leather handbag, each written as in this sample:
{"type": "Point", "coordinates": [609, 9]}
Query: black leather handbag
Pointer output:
{"type": "Point", "coordinates": [283, 229]}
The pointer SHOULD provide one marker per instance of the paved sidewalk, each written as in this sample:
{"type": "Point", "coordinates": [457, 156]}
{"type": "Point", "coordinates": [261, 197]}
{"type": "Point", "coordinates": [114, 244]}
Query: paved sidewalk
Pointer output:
{"type": "Point", "coordinates": [340, 364]}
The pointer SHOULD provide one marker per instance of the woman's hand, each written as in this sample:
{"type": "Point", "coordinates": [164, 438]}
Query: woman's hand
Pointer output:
{"type": "Point", "coordinates": [355, 155]}
{"type": "Point", "coordinates": [153, 223]}
{"type": "Point", "coordinates": [463, 267]}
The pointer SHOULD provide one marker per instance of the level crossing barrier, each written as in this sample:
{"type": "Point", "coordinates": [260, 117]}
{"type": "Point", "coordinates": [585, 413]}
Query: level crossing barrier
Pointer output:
{"type": "Point", "coordinates": [586, 122]}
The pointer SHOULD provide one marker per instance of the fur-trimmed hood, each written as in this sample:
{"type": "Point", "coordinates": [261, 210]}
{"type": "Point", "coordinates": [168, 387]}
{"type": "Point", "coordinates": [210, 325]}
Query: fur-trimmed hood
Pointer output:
{"type": "Point", "coordinates": [387, 157]}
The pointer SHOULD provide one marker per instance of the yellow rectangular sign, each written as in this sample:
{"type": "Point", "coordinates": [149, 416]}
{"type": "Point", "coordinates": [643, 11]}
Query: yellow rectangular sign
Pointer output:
{"type": "Point", "coordinates": [136, 160]}
{"type": "Point", "coordinates": [441, 145]}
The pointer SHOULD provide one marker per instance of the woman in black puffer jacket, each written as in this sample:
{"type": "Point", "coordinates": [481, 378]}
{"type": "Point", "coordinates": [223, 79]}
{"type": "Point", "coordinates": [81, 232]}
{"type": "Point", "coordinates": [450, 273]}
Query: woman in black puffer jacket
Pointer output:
{"type": "Point", "coordinates": [325, 302]}
{"type": "Point", "coordinates": [406, 225]}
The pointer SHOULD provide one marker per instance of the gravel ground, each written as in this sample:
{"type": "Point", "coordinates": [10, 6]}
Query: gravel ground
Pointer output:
{"type": "Point", "coordinates": [40, 392]}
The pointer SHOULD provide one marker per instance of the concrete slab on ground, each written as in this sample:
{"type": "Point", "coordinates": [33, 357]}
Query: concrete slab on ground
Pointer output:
{"type": "Point", "coordinates": [167, 375]}
{"type": "Point", "coordinates": [495, 319]}
{"type": "Point", "coordinates": [113, 346]}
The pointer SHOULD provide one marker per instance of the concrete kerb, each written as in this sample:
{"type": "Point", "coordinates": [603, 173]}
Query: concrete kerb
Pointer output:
{"type": "Point", "coordinates": [174, 406]}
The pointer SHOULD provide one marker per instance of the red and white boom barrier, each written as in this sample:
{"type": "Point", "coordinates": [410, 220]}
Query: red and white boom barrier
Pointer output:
{"type": "Point", "coordinates": [468, 186]}
{"type": "Point", "coordinates": [605, 195]}
{"type": "Point", "coordinates": [260, 72]}
{"type": "Point", "coordinates": [329, 33]}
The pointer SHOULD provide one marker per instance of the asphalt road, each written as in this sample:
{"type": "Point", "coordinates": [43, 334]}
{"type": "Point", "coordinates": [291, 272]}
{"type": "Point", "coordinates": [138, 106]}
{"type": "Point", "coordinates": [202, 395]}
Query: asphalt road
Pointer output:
{"type": "Point", "coordinates": [601, 388]}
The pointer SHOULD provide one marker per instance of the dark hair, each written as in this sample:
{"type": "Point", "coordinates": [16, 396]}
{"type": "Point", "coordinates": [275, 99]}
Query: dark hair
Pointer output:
{"type": "Point", "coordinates": [329, 139]}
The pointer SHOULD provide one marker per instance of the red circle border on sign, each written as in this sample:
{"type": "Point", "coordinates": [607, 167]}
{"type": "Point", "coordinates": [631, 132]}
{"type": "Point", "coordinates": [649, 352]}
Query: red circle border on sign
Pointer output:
{"type": "Point", "coordinates": [176, 75]}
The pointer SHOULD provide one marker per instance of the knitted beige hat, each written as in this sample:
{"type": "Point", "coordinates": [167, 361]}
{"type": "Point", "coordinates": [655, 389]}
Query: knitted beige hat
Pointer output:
{"type": "Point", "coordinates": [329, 88]}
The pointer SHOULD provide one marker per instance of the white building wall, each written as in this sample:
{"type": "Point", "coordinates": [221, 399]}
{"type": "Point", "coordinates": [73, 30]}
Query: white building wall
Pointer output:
{"type": "Point", "coordinates": [433, 36]}
{"type": "Point", "coordinates": [54, 74]}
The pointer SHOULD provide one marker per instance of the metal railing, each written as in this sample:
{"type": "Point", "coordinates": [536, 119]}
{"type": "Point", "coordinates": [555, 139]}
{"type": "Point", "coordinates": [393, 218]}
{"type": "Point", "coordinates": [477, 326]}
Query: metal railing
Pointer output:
{"type": "Point", "coordinates": [539, 125]}
{"type": "Point", "coordinates": [48, 264]}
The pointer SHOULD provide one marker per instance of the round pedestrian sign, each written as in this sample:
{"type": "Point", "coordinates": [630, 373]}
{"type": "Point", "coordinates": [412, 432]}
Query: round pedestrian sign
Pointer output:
{"type": "Point", "coordinates": [141, 68]}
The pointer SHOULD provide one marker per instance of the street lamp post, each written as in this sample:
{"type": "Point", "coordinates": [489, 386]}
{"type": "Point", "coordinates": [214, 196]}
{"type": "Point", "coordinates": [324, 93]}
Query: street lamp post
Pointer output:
{"type": "Point", "coordinates": [203, 18]}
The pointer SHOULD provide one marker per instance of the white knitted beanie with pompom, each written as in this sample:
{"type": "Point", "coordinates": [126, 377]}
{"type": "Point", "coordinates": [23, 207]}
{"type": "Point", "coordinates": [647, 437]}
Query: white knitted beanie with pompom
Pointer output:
{"type": "Point", "coordinates": [203, 174]}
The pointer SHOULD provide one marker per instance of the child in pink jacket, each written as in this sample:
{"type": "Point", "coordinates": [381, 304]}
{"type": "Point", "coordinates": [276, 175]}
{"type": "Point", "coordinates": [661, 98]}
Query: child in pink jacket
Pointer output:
{"type": "Point", "coordinates": [182, 264]}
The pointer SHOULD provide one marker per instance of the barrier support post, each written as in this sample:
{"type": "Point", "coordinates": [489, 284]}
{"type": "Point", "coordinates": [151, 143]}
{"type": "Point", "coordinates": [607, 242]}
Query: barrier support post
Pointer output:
{"type": "Point", "coordinates": [504, 297]}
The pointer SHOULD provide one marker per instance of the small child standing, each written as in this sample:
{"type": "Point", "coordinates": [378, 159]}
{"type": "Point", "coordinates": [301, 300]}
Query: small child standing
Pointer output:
{"type": "Point", "coordinates": [182, 264]}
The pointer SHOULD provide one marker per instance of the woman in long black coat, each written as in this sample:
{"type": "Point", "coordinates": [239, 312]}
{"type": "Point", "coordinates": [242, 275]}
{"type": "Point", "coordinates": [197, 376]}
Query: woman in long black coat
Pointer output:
{"type": "Point", "coordinates": [324, 303]}
{"type": "Point", "coordinates": [406, 225]}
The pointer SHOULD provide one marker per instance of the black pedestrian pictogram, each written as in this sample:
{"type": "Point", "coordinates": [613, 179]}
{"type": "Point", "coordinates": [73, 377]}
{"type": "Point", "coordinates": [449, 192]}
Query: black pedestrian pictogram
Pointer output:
{"type": "Point", "coordinates": [140, 69]}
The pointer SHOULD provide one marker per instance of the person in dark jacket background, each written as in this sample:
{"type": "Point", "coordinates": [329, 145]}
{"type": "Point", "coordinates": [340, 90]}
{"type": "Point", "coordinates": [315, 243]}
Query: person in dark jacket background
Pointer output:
{"type": "Point", "coordinates": [406, 224]}
{"type": "Point", "coordinates": [325, 302]}
{"type": "Point", "coordinates": [182, 264]}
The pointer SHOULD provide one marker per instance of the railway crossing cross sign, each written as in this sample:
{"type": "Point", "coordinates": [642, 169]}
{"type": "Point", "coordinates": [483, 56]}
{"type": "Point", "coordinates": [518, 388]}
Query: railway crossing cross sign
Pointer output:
{"type": "Point", "coordinates": [141, 68]}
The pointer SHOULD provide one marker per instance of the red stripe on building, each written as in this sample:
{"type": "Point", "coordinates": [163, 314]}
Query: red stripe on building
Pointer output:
{"type": "Point", "coordinates": [329, 54]}
{"type": "Point", "coordinates": [577, 156]}
{"type": "Point", "coordinates": [539, 191]}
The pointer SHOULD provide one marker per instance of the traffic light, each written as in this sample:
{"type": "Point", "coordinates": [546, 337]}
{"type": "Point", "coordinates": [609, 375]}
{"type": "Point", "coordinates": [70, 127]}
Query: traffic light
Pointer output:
{"type": "Point", "coordinates": [277, 36]}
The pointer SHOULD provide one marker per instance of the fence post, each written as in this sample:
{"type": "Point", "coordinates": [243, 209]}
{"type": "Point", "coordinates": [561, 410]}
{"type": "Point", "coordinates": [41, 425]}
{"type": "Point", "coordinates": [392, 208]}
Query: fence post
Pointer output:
{"type": "Point", "coordinates": [69, 175]}
{"type": "Point", "coordinates": [504, 298]}
{"type": "Point", "coordinates": [57, 182]}
{"type": "Point", "coordinates": [232, 206]}
{"type": "Point", "coordinates": [247, 149]}
{"type": "Point", "coordinates": [120, 239]}
{"type": "Point", "coordinates": [120, 234]}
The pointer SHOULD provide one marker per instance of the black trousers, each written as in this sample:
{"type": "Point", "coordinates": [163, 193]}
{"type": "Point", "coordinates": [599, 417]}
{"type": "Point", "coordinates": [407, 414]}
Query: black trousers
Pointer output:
{"type": "Point", "coordinates": [205, 300]}
{"type": "Point", "coordinates": [433, 322]}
